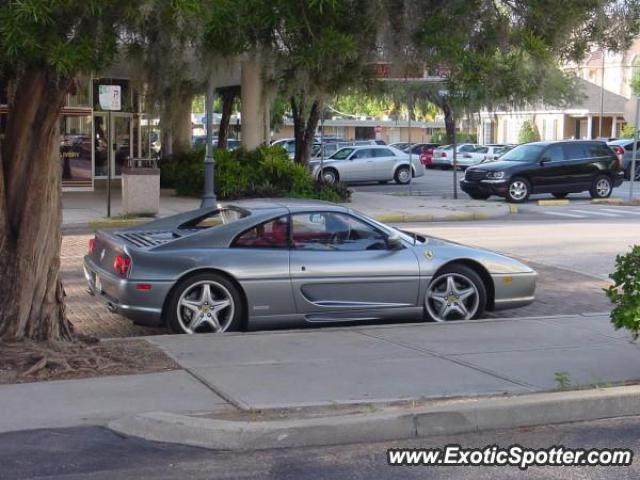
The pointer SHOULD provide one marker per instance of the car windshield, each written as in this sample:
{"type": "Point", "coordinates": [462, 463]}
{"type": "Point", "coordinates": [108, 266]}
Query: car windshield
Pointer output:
{"type": "Point", "coordinates": [342, 154]}
{"type": "Point", "coordinates": [523, 153]}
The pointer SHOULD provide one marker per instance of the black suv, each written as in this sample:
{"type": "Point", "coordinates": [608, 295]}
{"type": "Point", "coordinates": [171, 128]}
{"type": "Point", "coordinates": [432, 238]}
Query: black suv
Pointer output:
{"type": "Point", "coordinates": [559, 168]}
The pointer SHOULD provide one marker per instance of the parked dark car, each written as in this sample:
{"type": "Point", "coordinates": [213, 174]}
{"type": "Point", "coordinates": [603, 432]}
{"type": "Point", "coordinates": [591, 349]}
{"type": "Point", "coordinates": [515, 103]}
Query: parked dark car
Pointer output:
{"type": "Point", "coordinates": [558, 168]}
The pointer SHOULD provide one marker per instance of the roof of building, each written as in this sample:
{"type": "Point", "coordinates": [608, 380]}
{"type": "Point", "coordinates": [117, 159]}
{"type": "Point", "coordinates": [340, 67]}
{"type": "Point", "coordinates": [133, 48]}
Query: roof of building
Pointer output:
{"type": "Point", "coordinates": [588, 102]}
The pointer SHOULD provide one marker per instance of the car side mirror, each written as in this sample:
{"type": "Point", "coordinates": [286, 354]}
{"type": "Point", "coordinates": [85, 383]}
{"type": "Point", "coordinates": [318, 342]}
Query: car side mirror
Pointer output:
{"type": "Point", "coordinates": [544, 160]}
{"type": "Point", "coordinates": [394, 241]}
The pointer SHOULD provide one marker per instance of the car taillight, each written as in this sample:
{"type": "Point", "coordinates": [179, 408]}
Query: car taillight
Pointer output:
{"type": "Point", "coordinates": [122, 264]}
{"type": "Point", "coordinates": [619, 151]}
{"type": "Point", "coordinates": [92, 245]}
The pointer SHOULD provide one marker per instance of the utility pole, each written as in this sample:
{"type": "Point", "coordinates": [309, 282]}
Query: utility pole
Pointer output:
{"type": "Point", "coordinates": [601, 97]}
{"type": "Point", "coordinates": [632, 176]}
{"type": "Point", "coordinates": [209, 195]}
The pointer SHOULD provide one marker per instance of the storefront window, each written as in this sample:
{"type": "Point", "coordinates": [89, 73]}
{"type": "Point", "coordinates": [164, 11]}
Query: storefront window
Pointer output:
{"type": "Point", "coordinates": [80, 95]}
{"type": "Point", "coordinates": [75, 150]}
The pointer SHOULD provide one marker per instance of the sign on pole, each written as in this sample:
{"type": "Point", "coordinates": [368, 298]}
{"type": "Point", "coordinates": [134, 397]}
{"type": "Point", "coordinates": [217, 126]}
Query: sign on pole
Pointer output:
{"type": "Point", "coordinates": [110, 98]}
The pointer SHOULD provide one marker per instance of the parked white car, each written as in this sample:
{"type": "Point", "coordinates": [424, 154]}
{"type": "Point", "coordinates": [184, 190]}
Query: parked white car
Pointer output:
{"type": "Point", "coordinates": [493, 151]}
{"type": "Point", "coordinates": [443, 156]}
{"type": "Point", "coordinates": [368, 163]}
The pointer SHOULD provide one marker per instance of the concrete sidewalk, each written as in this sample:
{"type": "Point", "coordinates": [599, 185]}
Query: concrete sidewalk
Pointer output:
{"type": "Point", "coordinates": [88, 209]}
{"type": "Point", "coordinates": [334, 367]}
{"type": "Point", "coordinates": [388, 363]}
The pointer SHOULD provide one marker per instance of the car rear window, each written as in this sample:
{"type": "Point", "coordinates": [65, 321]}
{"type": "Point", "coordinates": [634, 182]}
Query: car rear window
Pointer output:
{"type": "Point", "coordinates": [213, 219]}
{"type": "Point", "coordinates": [600, 150]}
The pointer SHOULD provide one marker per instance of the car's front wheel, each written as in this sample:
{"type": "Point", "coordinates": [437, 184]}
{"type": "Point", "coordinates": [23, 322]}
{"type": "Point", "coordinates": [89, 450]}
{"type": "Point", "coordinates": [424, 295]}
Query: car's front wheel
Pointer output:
{"type": "Point", "coordinates": [601, 187]}
{"type": "Point", "coordinates": [403, 175]}
{"type": "Point", "coordinates": [329, 176]}
{"type": "Point", "coordinates": [204, 303]}
{"type": "Point", "coordinates": [455, 293]}
{"type": "Point", "coordinates": [518, 190]}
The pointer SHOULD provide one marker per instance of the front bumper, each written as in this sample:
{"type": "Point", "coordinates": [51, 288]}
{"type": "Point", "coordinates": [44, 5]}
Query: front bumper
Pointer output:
{"type": "Point", "coordinates": [485, 187]}
{"type": "Point", "coordinates": [120, 295]}
{"type": "Point", "coordinates": [514, 290]}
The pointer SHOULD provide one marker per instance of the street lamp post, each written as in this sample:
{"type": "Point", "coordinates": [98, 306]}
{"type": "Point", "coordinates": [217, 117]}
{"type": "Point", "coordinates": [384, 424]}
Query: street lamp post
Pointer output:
{"type": "Point", "coordinates": [209, 195]}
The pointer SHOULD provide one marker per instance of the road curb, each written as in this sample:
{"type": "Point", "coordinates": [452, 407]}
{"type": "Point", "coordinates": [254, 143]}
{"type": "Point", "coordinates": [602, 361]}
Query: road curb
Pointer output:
{"type": "Point", "coordinates": [553, 202]}
{"type": "Point", "coordinates": [609, 201]}
{"type": "Point", "coordinates": [470, 415]}
{"type": "Point", "coordinates": [453, 217]}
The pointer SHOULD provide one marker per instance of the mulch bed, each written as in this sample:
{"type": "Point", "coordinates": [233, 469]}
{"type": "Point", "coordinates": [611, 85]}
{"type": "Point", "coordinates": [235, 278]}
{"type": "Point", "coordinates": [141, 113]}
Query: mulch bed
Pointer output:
{"type": "Point", "coordinates": [28, 361]}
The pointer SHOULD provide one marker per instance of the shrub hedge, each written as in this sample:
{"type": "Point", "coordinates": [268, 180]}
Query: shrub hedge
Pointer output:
{"type": "Point", "coordinates": [625, 292]}
{"type": "Point", "coordinates": [264, 172]}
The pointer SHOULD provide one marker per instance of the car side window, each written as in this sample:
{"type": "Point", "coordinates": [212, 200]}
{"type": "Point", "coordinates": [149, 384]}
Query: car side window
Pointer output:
{"type": "Point", "coordinates": [482, 150]}
{"type": "Point", "coordinates": [467, 148]}
{"type": "Point", "coordinates": [362, 153]}
{"type": "Point", "coordinates": [382, 152]}
{"type": "Point", "coordinates": [629, 147]}
{"type": "Point", "coordinates": [271, 234]}
{"type": "Point", "coordinates": [554, 153]}
{"type": "Point", "coordinates": [575, 151]}
{"type": "Point", "coordinates": [330, 231]}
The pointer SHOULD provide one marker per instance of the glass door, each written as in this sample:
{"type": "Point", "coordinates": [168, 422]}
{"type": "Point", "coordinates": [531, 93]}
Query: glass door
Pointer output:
{"type": "Point", "coordinates": [118, 137]}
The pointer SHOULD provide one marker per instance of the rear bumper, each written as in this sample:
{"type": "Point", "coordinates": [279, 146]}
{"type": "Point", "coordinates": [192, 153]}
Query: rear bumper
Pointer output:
{"type": "Point", "coordinates": [618, 179]}
{"type": "Point", "coordinates": [121, 296]}
{"type": "Point", "coordinates": [440, 162]}
{"type": "Point", "coordinates": [485, 187]}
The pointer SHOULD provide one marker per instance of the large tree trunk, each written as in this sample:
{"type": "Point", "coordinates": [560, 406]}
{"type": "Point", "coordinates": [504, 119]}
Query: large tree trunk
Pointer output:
{"type": "Point", "coordinates": [449, 122]}
{"type": "Point", "coordinates": [31, 293]}
{"type": "Point", "coordinates": [229, 95]}
{"type": "Point", "coordinates": [304, 128]}
{"type": "Point", "coordinates": [181, 127]}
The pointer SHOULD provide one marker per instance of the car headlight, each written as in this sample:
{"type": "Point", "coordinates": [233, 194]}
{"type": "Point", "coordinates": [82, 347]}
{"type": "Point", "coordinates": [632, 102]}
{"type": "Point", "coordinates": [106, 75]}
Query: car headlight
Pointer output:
{"type": "Point", "coordinates": [495, 175]}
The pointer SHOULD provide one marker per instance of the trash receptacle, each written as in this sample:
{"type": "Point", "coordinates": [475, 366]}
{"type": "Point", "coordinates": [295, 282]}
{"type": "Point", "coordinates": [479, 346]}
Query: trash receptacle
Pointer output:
{"type": "Point", "coordinates": [141, 187]}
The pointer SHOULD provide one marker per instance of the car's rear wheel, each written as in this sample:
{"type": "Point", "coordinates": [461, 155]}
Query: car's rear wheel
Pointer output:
{"type": "Point", "coordinates": [518, 190]}
{"type": "Point", "coordinates": [455, 293]}
{"type": "Point", "coordinates": [329, 176]}
{"type": "Point", "coordinates": [601, 187]}
{"type": "Point", "coordinates": [560, 195]}
{"type": "Point", "coordinates": [205, 303]}
{"type": "Point", "coordinates": [403, 176]}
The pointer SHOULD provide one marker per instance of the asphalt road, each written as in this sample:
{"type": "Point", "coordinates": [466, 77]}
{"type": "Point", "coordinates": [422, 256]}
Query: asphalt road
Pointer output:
{"type": "Point", "coordinates": [96, 453]}
{"type": "Point", "coordinates": [586, 245]}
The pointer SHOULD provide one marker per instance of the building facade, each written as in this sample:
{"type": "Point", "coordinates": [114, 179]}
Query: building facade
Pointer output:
{"type": "Point", "coordinates": [578, 120]}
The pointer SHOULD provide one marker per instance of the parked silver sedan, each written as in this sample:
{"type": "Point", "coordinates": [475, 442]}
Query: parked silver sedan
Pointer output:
{"type": "Point", "coordinates": [368, 163]}
{"type": "Point", "coordinates": [261, 263]}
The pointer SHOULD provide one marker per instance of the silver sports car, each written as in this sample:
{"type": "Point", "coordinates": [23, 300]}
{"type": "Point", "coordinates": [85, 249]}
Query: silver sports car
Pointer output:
{"type": "Point", "coordinates": [258, 263]}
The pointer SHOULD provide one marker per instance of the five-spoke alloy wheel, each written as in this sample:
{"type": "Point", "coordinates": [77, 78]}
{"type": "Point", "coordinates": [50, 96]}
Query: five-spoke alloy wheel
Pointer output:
{"type": "Point", "coordinates": [204, 303]}
{"type": "Point", "coordinates": [455, 293]}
